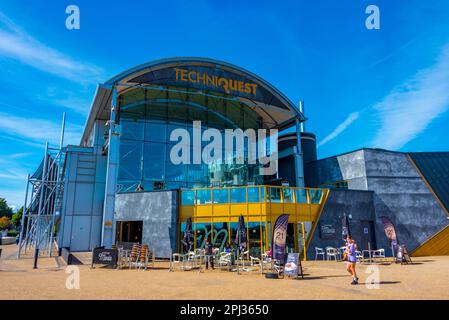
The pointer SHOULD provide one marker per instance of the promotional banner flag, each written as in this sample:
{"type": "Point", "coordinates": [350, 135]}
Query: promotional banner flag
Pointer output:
{"type": "Point", "coordinates": [241, 234]}
{"type": "Point", "coordinates": [279, 237]}
{"type": "Point", "coordinates": [187, 239]}
{"type": "Point", "coordinates": [390, 230]}
{"type": "Point", "coordinates": [345, 231]}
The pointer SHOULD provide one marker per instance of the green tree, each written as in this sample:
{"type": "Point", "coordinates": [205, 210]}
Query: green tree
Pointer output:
{"type": "Point", "coordinates": [17, 217]}
{"type": "Point", "coordinates": [5, 210]}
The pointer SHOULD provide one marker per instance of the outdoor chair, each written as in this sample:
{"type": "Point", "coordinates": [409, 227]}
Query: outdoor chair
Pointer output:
{"type": "Point", "coordinates": [331, 253]}
{"type": "Point", "coordinates": [379, 254]}
{"type": "Point", "coordinates": [123, 257]}
{"type": "Point", "coordinates": [341, 252]}
{"type": "Point", "coordinates": [359, 256]}
{"type": "Point", "coordinates": [134, 255]}
{"type": "Point", "coordinates": [255, 262]}
{"type": "Point", "coordinates": [225, 260]}
{"type": "Point", "coordinates": [146, 257]}
{"type": "Point", "coordinates": [266, 262]}
{"type": "Point", "coordinates": [177, 259]}
{"type": "Point", "coordinates": [319, 252]}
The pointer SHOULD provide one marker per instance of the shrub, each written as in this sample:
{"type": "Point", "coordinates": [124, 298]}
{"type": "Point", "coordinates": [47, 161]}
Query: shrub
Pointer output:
{"type": "Point", "coordinates": [5, 222]}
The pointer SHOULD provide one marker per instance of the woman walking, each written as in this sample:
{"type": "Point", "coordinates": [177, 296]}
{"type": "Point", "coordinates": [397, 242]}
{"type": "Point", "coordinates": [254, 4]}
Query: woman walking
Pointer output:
{"type": "Point", "coordinates": [351, 248]}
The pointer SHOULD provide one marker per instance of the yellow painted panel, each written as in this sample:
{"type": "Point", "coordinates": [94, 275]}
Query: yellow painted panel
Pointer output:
{"type": "Point", "coordinates": [290, 208]}
{"type": "Point", "coordinates": [276, 208]}
{"type": "Point", "coordinates": [438, 245]}
{"type": "Point", "coordinates": [221, 209]}
{"type": "Point", "coordinates": [254, 208]}
{"type": "Point", "coordinates": [238, 209]}
{"type": "Point", "coordinates": [204, 210]}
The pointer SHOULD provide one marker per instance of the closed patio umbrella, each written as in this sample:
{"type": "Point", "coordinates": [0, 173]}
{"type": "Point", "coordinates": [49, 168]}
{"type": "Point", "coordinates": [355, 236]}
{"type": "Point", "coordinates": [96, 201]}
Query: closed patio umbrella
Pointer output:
{"type": "Point", "coordinates": [240, 239]}
{"type": "Point", "coordinates": [187, 239]}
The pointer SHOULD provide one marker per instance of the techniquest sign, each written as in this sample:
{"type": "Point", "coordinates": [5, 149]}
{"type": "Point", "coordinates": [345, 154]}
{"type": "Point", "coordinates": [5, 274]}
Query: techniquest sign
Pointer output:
{"type": "Point", "coordinates": [210, 80]}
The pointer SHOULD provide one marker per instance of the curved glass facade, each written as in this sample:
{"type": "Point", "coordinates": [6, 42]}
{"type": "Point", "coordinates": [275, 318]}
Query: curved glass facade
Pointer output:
{"type": "Point", "coordinates": [149, 115]}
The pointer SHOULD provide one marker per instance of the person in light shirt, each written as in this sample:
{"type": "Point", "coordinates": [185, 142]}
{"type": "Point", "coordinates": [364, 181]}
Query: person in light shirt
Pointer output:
{"type": "Point", "coordinates": [351, 248]}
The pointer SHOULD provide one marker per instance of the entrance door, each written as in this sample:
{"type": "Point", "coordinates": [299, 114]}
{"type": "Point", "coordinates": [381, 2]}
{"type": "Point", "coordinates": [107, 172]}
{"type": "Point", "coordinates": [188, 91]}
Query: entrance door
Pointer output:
{"type": "Point", "coordinates": [129, 231]}
{"type": "Point", "coordinates": [368, 235]}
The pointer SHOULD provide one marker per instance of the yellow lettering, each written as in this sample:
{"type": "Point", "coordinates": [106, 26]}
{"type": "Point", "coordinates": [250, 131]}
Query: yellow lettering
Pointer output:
{"type": "Point", "coordinates": [224, 83]}
{"type": "Point", "coordinates": [240, 86]}
{"type": "Point", "coordinates": [233, 85]}
{"type": "Point", "coordinates": [190, 76]}
{"type": "Point", "coordinates": [183, 75]}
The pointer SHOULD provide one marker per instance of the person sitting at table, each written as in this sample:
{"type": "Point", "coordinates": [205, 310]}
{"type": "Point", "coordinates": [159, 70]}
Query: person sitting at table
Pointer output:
{"type": "Point", "coordinates": [208, 251]}
{"type": "Point", "coordinates": [227, 248]}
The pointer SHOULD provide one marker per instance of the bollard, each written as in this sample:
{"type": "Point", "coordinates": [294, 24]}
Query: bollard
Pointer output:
{"type": "Point", "coordinates": [1, 253]}
{"type": "Point", "coordinates": [36, 256]}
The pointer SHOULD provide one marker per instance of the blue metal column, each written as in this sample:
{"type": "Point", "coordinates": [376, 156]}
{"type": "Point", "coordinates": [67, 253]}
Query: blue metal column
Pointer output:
{"type": "Point", "coordinates": [299, 164]}
{"type": "Point", "coordinates": [107, 234]}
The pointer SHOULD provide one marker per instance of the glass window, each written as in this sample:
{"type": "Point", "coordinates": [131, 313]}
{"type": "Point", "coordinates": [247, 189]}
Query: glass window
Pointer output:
{"type": "Point", "coordinates": [130, 160]}
{"type": "Point", "coordinates": [132, 129]}
{"type": "Point", "coordinates": [187, 197]}
{"type": "Point", "coordinates": [195, 173]}
{"type": "Point", "coordinates": [221, 196]}
{"type": "Point", "coordinates": [274, 194]}
{"type": "Point", "coordinates": [155, 131]}
{"type": "Point", "coordinates": [238, 195]}
{"type": "Point", "coordinates": [288, 195]}
{"type": "Point", "coordinates": [301, 196]}
{"type": "Point", "coordinates": [154, 160]}
{"type": "Point", "coordinates": [253, 194]}
{"type": "Point", "coordinates": [203, 196]}
{"type": "Point", "coordinates": [175, 172]}
{"type": "Point", "coordinates": [202, 232]}
{"type": "Point", "coordinates": [254, 239]}
{"type": "Point", "coordinates": [221, 236]}
{"type": "Point", "coordinates": [315, 196]}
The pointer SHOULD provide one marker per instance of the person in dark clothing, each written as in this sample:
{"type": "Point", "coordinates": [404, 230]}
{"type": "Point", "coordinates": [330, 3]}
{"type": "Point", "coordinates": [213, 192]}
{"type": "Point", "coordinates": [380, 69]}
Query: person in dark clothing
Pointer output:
{"type": "Point", "coordinates": [208, 252]}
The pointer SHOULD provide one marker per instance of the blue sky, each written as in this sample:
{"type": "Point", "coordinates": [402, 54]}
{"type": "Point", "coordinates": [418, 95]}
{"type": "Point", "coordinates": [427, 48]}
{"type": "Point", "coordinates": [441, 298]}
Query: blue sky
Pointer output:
{"type": "Point", "coordinates": [385, 88]}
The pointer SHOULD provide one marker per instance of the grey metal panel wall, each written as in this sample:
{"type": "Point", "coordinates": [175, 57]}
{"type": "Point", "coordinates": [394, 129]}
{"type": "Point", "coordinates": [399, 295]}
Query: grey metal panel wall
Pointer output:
{"type": "Point", "coordinates": [349, 167]}
{"type": "Point", "coordinates": [403, 196]}
{"type": "Point", "coordinates": [358, 204]}
{"type": "Point", "coordinates": [159, 213]}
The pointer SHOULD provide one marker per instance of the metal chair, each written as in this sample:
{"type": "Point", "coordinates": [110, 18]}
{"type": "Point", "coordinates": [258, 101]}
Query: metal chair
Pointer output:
{"type": "Point", "coordinates": [134, 255]}
{"type": "Point", "coordinates": [341, 252]}
{"type": "Point", "coordinates": [319, 252]}
{"type": "Point", "coordinates": [331, 253]}
{"type": "Point", "coordinates": [379, 254]}
{"type": "Point", "coordinates": [359, 256]}
{"type": "Point", "coordinates": [224, 260]}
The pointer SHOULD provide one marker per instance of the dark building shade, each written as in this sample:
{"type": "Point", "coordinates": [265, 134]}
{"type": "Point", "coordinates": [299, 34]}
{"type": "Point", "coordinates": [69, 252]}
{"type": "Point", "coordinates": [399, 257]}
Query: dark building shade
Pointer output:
{"type": "Point", "coordinates": [434, 166]}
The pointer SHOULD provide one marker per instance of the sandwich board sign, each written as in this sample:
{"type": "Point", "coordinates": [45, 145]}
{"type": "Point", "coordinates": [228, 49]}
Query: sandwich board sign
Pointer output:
{"type": "Point", "coordinates": [104, 256]}
{"type": "Point", "coordinates": [293, 266]}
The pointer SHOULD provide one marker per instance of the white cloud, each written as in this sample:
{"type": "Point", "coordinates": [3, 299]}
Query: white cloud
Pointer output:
{"type": "Point", "coordinates": [17, 44]}
{"type": "Point", "coordinates": [409, 108]}
{"type": "Point", "coordinates": [341, 127]}
{"type": "Point", "coordinates": [38, 130]}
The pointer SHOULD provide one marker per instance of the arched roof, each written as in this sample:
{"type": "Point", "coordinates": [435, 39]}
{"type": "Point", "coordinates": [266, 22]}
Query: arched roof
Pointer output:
{"type": "Point", "coordinates": [272, 105]}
